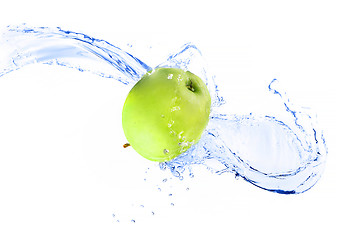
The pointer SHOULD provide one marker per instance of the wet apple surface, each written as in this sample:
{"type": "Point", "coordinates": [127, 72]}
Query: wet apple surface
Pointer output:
{"type": "Point", "coordinates": [165, 113]}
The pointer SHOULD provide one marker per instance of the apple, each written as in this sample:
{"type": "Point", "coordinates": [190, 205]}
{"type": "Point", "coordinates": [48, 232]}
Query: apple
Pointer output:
{"type": "Point", "coordinates": [165, 113]}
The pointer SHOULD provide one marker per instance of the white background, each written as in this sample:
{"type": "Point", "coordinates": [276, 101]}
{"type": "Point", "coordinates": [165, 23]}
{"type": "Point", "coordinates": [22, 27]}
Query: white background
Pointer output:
{"type": "Point", "coordinates": [64, 173]}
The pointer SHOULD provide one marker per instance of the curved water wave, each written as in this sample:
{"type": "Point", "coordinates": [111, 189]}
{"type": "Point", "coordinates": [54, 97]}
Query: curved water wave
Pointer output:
{"type": "Point", "coordinates": [21, 45]}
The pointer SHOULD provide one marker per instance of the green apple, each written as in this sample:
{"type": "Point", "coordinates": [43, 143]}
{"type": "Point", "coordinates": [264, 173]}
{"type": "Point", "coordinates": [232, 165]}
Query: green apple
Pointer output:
{"type": "Point", "coordinates": [165, 113]}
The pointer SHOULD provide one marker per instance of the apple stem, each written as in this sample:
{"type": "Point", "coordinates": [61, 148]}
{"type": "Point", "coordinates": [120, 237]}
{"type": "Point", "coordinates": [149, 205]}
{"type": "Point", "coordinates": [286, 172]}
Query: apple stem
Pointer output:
{"type": "Point", "coordinates": [126, 145]}
{"type": "Point", "coordinates": [190, 86]}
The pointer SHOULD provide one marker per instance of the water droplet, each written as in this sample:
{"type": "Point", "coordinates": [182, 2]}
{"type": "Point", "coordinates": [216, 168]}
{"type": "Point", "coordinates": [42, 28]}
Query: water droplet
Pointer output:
{"type": "Point", "coordinates": [170, 125]}
{"type": "Point", "coordinates": [165, 151]}
{"type": "Point", "coordinates": [165, 180]}
{"type": "Point", "coordinates": [175, 108]}
{"type": "Point", "coordinates": [170, 76]}
{"type": "Point", "coordinates": [133, 221]}
{"type": "Point", "coordinates": [172, 204]}
{"type": "Point", "coordinates": [170, 195]}
{"type": "Point", "coordinates": [162, 166]}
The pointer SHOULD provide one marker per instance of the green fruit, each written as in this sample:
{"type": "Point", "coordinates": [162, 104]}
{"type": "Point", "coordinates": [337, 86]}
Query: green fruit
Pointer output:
{"type": "Point", "coordinates": [165, 113]}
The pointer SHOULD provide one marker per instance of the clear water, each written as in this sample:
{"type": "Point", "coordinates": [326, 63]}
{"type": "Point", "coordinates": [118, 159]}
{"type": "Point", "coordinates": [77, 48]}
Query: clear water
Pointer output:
{"type": "Point", "coordinates": [283, 151]}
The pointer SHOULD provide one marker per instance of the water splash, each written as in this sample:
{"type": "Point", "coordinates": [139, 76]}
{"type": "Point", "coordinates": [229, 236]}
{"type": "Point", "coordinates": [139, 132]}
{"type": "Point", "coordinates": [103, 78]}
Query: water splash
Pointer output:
{"type": "Point", "coordinates": [283, 151]}
{"type": "Point", "coordinates": [21, 45]}
{"type": "Point", "coordinates": [284, 154]}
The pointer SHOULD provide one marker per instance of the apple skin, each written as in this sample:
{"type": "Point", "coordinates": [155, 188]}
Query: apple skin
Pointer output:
{"type": "Point", "coordinates": [165, 113]}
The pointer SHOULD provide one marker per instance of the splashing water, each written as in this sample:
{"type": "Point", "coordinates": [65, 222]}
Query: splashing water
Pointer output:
{"type": "Point", "coordinates": [283, 152]}
{"type": "Point", "coordinates": [22, 45]}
